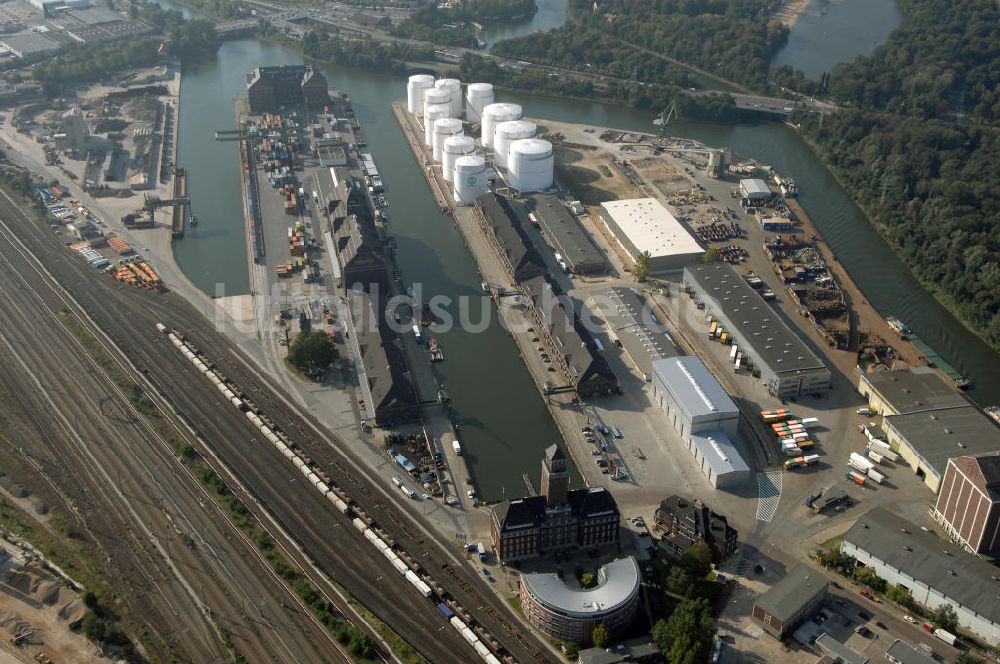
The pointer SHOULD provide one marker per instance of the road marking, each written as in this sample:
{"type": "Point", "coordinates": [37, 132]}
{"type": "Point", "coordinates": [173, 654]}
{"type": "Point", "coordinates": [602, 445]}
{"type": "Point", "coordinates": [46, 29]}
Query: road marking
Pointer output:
{"type": "Point", "coordinates": [768, 494]}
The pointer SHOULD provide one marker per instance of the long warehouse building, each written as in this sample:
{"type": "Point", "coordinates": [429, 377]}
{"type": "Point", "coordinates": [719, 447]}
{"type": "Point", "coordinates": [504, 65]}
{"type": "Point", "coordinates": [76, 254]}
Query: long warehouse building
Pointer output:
{"type": "Point", "coordinates": [787, 366]}
{"type": "Point", "coordinates": [935, 571]}
{"type": "Point", "coordinates": [704, 416]}
{"type": "Point", "coordinates": [644, 225]}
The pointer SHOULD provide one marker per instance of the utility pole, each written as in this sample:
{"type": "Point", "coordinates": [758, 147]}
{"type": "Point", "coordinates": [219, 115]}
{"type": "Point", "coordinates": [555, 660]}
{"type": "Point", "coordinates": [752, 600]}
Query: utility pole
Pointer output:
{"type": "Point", "coordinates": [886, 181]}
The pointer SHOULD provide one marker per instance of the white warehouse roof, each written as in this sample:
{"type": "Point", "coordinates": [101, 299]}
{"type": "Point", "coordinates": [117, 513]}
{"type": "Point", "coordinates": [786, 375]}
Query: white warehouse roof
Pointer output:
{"type": "Point", "coordinates": [696, 389]}
{"type": "Point", "coordinates": [754, 187]}
{"type": "Point", "coordinates": [650, 227]}
{"type": "Point", "coordinates": [719, 453]}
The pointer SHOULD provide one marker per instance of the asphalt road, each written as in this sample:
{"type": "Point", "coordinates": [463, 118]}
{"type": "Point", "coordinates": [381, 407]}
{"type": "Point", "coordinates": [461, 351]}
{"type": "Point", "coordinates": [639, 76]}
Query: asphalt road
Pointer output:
{"type": "Point", "coordinates": [181, 567]}
{"type": "Point", "coordinates": [129, 315]}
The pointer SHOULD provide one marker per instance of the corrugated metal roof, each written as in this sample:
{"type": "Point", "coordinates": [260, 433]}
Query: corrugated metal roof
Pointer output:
{"type": "Point", "coordinates": [695, 387]}
{"type": "Point", "coordinates": [719, 452]}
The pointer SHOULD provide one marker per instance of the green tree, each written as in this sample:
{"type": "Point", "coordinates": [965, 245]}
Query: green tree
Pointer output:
{"type": "Point", "coordinates": [571, 650]}
{"type": "Point", "coordinates": [360, 644]}
{"type": "Point", "coordinates": [697, 560]}
{"type": "Point", "coordinates": [867, 576]}
{"type": "Point", "coordinates": [312, 351]}
{"type": "Point", "coordinates": [686, 637]}
{"type": "Point", "coordinates": [712, 255]}
{"type": "Point", "coordinates": [680, 581]}
{"type": "Point", "coordinates": [967, 658]}
{"type": "Point", "coordinates": [900, 595]}
{"type": "Point", "coordinates": [945, 617]}
{"type": "Point", "coordinates": [601, 636]}
{"type": "Point", "coordinates": [588, 580]}
{"type": "Point", "coordinates": [642, 268]}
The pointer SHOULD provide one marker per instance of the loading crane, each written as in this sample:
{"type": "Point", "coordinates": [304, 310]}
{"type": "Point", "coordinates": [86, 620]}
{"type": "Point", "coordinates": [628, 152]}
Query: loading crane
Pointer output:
{"type": "Point", "coordinates": [718, 158]}
{"type": "Point", "coordinates": [663, 119]}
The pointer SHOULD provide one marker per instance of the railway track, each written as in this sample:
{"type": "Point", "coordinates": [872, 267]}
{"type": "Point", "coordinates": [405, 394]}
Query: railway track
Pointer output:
{"type": "Point", "coordinates": [184, 568]}
{"type": "Point", "coordinates": [128, 317]}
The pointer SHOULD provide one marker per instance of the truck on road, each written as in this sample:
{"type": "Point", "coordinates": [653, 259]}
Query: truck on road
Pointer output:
{"type": "Point", "coordinates": [946, 636]}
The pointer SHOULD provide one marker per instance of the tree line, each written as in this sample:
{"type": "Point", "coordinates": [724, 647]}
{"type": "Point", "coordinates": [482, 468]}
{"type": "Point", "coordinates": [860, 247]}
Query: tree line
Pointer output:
{"type": "Point", "coordinates": [732, 38]}
{"type": "Point", "coordinates": [918, 143]}
{"type": "Point", "coordinates": [450, 26]}
{"type": "Point", "coordinates": [186, 39]}
{"type": "Point", "coordinates": [654, 97]}
{"type": "Point", "coordinates": [389, 57]}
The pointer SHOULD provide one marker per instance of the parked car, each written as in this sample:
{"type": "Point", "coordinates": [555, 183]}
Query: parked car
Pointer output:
{"type": "Point", "coordinates": [881, 625]}
{"type": "Point", "coordinates": [910, 619]}
{"type": "Point", "coordinates": [862, 630]}
{"type": "Point", "coordinates": [864, 615]}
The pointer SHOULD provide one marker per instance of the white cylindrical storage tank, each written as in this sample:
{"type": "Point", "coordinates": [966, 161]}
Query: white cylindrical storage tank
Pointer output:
{"type": "Point", "coordinates": [506, 133]}
{"type": "Point", "coordinates": [444, 128]}
{"type": "Point", "coordinates": [493, 115]}
{"type": "Point", "coordinates": [415, 89]}
{"type": "Point", "coordinates": [436, 97]}
{"type": "Point", "coordinates": [470, 179]}
{"type": "Point", "coordinates": [477, 97]}
{"type": "Point", "coordinates": [454, 88]}
{"type": "Point", "coordinates": [432, 114]}
{"type": "Point", "coordinates": [530, 165]}
{"type": "Point", "coordinates": [453, 148]}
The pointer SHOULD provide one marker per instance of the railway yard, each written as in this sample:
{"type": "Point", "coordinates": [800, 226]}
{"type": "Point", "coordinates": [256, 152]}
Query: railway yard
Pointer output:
{"type": "Point", "coordinates": [218, 590]}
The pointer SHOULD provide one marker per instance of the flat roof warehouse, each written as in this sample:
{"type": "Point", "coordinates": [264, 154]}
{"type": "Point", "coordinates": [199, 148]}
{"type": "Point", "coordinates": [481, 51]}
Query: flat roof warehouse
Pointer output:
{"type": "Point", "coordinates": [650, 227]}
{"type": "Point", "coordinates": [759, 325]}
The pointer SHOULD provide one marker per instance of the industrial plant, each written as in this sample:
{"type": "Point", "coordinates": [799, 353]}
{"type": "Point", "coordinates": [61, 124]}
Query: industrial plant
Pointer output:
{"type": "Point", "coordinates": [478, 143]}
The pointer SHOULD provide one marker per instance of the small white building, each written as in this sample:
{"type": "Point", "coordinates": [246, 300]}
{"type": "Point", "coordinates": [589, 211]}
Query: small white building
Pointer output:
{"type": "Point", "coordinates": [755, 189]}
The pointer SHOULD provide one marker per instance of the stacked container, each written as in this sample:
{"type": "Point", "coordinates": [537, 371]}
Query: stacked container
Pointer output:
{"type": "Point", "coordinates": [530, 165]}
{"type": "Point", "coordinates": [470, 179]}
{"type": "Point", "coordinates": [493, 115]}
{"type": "Point", "coordinates": [444, 128]}
{"type": "Point", "coordinates": [506, 133]}
{"type": "Point", "coordinates": [453, 148]}
{"type": "Point", "coordinates": [477, 97]}
{"type": "Point", "coordinates": [454, 88]}
{"type": "Point", "coordinates": [415, 89]}
{"type": "Point", "coordinates": [432, 114]}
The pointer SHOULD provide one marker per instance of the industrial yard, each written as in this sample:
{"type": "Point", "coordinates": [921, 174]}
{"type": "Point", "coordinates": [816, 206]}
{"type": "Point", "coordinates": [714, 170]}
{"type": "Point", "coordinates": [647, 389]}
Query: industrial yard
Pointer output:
{"type": "Point", "coordinates": [591, 242]}
{"type": "Point", "coordinates": [771, 249]}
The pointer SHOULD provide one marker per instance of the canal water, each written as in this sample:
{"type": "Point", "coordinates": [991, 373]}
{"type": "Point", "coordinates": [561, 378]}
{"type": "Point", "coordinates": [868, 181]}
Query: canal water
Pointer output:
{"type": "Point", "coordinates": [504, 425]}
{"type": "Point", "coordinates": [550, 14]}
{"type": "Point", "coordinates": [829, 32]}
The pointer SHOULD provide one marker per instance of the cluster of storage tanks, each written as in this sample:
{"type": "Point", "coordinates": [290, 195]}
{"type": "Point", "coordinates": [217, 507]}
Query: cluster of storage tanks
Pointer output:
{"type": "Point", "coordinates": [526, 161]}
{"type": "Point", "coordinates": [403, 563]}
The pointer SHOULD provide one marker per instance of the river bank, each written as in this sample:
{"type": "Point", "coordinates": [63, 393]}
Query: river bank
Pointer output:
{"type": "Point", "coordinates": [790, 11]}
{"type": "Point", "coordinates": [930, 287]}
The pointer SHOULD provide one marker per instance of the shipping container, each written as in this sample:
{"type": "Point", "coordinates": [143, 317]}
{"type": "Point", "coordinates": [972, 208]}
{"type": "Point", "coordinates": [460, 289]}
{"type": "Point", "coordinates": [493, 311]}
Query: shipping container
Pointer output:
{"type": "Point", "coordinates": [469, 635]}
{"type": "Point", "coordinates": [457, 624]}
{"type": "Point", "coordinates": [860, 463]}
